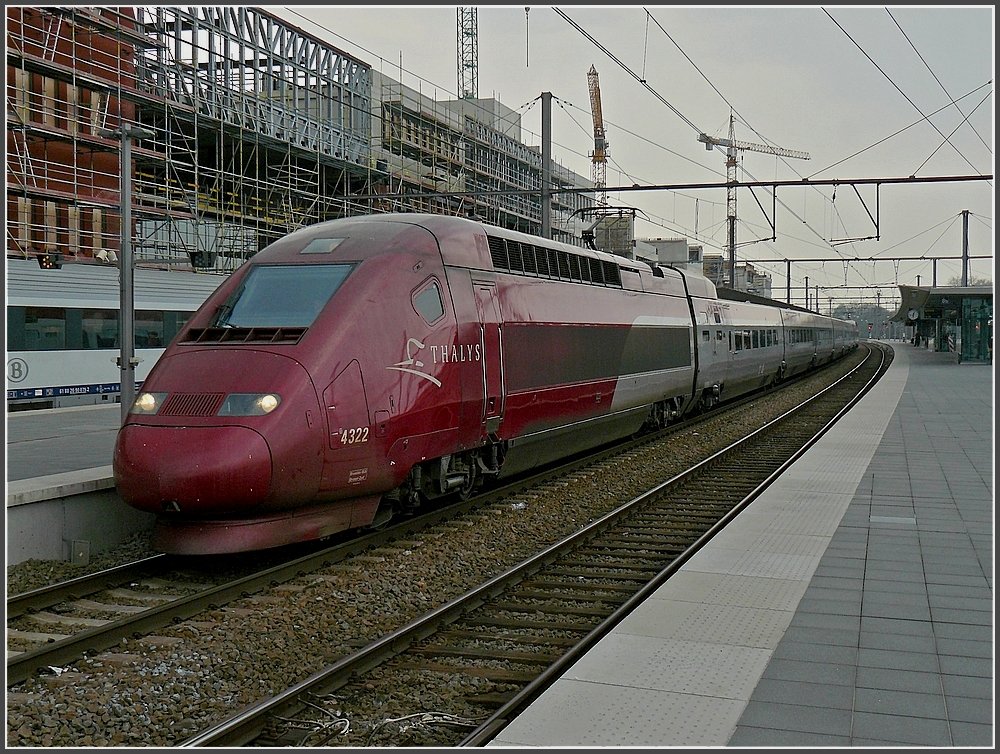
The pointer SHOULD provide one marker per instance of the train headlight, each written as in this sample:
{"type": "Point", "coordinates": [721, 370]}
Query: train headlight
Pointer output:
{"type": "Point", "coordinates": [147, 403]}
{"type": "Point", "coordinates": [249, 404]}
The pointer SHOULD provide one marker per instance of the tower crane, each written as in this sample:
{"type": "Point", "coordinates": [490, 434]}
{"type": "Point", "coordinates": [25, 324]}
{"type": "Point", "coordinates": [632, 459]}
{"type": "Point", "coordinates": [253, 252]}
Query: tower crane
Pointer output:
{"type": "Point", "coordinates": [598, 170]}
{"type": "Point", "coordinates": [732, 145]}
{"type": "Point", "coordinates": [468, 53]}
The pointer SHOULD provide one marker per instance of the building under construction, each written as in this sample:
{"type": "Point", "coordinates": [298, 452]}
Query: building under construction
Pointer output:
{"type": "Point", "coordinates": [251, 129]}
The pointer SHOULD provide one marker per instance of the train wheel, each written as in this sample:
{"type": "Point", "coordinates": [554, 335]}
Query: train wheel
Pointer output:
{"type": "Point", "coordinates": [465, 491]}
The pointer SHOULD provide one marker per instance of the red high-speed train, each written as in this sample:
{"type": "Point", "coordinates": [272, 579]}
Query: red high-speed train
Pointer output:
{"type": "Point", "coordinates": [363, 366]}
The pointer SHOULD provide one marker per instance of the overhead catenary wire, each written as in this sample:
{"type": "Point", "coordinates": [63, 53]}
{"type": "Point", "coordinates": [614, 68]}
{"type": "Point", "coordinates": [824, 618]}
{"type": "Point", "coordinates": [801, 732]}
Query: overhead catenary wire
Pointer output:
{"type": "Point", "coordinates": [938, 80]}
{"type": "Point", "coordinates": [897, 133]}
{"type": "Point", "coordinates": [688, 122]}
{"type": "Point", "coordinates": [743, 120]}
{"type": "Point", "coordinates": [947, 139]}
{"type": "Point", "coordinates": [898, 89]}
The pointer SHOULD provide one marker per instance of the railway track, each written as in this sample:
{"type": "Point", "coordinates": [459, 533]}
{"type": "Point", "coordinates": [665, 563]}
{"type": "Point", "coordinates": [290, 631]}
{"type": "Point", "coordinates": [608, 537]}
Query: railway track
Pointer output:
{"type": "Point", "coordinates": [249, 635]}
{"type": "Point", "coordinates": [54, 625]}
{"type": "Point", "coordinates": [477, 661]}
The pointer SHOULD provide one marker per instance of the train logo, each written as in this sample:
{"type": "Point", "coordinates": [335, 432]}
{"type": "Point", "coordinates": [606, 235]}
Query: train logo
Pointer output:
{"type": "Point", "coordinates": [412, 361]}
{"type": "Point", "coordinates": [17, 370]}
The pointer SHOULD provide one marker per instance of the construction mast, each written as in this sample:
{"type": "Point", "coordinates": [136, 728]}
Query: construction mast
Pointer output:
{"type": "Point", "coordinates": [468, 54]}
{"type": "Point", "coordinates": [732, 145]}
{"type": "Point", "coordinates": [598, 170]}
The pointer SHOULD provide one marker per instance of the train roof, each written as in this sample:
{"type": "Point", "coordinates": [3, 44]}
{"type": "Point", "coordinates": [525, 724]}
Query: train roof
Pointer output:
{"type": "Point", "coordinates": [93, 285]}
{"type": "Point", "coordinates": [432, 221]}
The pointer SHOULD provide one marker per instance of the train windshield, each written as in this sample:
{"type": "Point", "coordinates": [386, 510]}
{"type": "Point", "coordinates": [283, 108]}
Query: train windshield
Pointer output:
{"type": "Point", "coordinates": [282, 295]}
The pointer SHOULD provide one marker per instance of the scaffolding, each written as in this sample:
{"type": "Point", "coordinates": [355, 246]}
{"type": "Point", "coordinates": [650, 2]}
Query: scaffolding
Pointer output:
{"type": "Point", "coordinates": [258, 127]}
{"type": "Point", "coordinates": [470, 146]}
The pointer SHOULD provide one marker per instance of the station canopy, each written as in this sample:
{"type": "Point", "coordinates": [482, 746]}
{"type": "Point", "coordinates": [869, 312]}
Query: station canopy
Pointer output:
{"type": "Point", "coordinates": [935, 303]}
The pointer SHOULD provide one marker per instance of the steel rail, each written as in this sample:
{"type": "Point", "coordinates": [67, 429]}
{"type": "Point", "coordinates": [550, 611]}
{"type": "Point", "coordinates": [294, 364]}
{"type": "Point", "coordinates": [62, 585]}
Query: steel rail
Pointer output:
{"type": "Point", "coordinates": [53, 594]}
{"type": "Point", "coordinates": [502, 717]}
{"type": "Point", "coordinates": [247, 724]}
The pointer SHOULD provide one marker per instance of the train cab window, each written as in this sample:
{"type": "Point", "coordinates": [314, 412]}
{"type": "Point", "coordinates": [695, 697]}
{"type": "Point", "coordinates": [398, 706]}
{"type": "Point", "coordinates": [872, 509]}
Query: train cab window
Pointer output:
{"type": "Point", "coordinates": [706, 336]}
{"type": "Point", "coordinates": [45, 328]}
{"type": "Point", "coordinates": [427, 302]}
{"type": "Point", "coordinates": [718, 335]}
{"type": "Point", "coordinates": [282, 295]}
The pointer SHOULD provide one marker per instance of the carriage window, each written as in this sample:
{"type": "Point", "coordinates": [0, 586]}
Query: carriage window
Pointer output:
{"type": "Point", "coordinates": [282, 295]}
{"type": "Point", "coordinates": [718, 334]}
{"type": "Point", "coordinates": [706, 336]}
{"type": "Point", "coordinates": [44, 328]}
{"type": "Point", "coordinates": [428, 303]}
{"type": "Point", "coordinates": [100, 328]}
{"type": "Point", "coordinates": [149, 329]}
{"type": "Point", "coordinates": [755, 339]}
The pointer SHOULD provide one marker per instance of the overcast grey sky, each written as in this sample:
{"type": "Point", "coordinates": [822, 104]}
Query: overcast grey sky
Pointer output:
{"type": "Point", "coordinates": [866, 90]}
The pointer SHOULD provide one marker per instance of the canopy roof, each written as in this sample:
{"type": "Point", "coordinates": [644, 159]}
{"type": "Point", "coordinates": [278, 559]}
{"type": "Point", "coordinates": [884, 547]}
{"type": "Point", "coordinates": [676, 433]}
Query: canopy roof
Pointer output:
{"type": "Point", "coordinates": [918, 303]}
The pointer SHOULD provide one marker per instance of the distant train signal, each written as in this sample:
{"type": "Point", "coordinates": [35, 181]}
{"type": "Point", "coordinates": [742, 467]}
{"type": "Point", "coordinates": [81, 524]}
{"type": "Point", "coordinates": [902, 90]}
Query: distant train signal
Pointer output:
{"type": "Point", "coordinates": [203, 260]}
{"type": "Point", "coordinates": [50, 261]}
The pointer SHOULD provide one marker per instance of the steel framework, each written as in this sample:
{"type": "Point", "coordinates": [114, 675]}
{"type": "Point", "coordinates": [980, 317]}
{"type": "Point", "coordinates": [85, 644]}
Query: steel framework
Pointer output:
{"type": "Point", "coordinates": [258, 128]}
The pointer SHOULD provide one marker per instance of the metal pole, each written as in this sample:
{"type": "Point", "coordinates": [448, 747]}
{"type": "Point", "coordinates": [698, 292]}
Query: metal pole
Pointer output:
{"type": "Point", "coordinates": [788, 281]}
{"type": "Point", "coordinates": [126, 309]}
{"type": "Point", "coordinates": [965, 248]}
{"type": "Point", "coordinates": [126, 315]}
{"type": "Point", "coordinates": [546, 167]}
{"type": "Point", "coordinates": [807, 292]}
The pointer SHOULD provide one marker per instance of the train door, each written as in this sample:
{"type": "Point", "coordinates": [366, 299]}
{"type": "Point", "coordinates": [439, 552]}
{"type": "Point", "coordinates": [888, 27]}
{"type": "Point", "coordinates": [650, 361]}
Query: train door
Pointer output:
{"type": "Point", "coordinates": [720, 348]}
{"type": "Point", "coordinates": [722, 338]}
{"type": "Point", "coordinates": [489, 321]}
{"type": "Point", "coordinates": [714, 351]}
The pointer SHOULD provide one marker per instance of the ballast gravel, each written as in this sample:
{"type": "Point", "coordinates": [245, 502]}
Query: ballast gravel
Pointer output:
{"type": "Point", "coordinates": [160, 690]}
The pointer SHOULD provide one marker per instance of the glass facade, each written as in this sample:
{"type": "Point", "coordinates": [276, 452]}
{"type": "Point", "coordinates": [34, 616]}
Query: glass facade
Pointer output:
{"type": "Point", "coordinates": [977, 329]}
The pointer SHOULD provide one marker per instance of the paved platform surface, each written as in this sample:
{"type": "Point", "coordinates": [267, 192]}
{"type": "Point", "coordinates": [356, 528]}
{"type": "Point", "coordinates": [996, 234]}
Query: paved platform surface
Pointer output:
{"type": "Point", "coordinates": [61, 440]}
{"type": "Point", "coordinates": [850, 605]}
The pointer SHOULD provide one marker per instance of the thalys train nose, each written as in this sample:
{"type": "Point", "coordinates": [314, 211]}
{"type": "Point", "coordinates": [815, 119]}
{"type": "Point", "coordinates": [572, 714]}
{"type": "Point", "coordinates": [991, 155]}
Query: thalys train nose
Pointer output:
{"type": "Point", "coordinates": [192, 470]}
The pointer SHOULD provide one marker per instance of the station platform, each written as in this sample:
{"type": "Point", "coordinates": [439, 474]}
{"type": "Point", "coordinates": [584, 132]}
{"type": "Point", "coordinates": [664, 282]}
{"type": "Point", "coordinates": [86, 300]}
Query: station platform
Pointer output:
{"type": "Point", "coordinates": [61, 498]}
{"type": "Point", "coordinates": [849, 605]}
{"type": "Point", "coordinates": [60, 440]}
